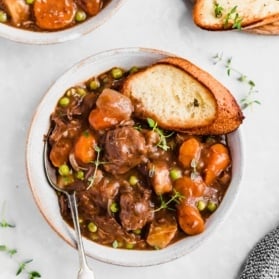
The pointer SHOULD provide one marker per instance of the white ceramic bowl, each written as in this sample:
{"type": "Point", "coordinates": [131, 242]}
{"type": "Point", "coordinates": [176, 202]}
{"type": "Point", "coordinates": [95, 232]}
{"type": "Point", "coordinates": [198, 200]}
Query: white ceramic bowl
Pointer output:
{"type": "Point", "coordinates": [45, 197]}
{"type": "Point", "coordinates": [31, 37]}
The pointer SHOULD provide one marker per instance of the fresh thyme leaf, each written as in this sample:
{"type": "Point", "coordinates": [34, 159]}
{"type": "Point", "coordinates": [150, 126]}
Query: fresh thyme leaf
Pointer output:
{"type": "Point", "coordinates": [218, 10]}
{"type": "Point", "coordinates": [249, 98]}
{"type": "Point", "coordinates": [176, 198]}
{"type": "Point", "coordinates": [163, 138]}
{"type": "Point", "coordinates": [151, 123]}
{"type": "Point", "coordinates": [217, 58]}
{"type": "Point", "coordinates": [4, 223]}
{"type": "Point", "coordinates": [34, 274]}
{"type": "Point", "coordinates": [3, 247]}
{"type": "Point", "coordinates": [97, 163]}
{"type": "Point", "coordinates": [233, 17]}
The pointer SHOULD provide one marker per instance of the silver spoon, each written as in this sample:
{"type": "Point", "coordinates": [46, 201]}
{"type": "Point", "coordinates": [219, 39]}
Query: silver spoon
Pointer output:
{"type": "Point", "coordinates": [84, 272]}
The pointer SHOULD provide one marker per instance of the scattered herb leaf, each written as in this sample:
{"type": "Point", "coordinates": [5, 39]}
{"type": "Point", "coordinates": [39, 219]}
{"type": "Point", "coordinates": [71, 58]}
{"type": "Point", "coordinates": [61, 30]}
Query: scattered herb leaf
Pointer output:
{"type": "Point", "coordinates": [97, 163]}
{"type": "Point", "coordinates": [22, 266]}
{"type": "Point", "coordinates": [163, 138]}
{"type": "Point", "coordinates": [176, 197]}
{"type": "Point", "coordinates": [4, 223]}
{"type": "Point", "coordinates": [249, 99]}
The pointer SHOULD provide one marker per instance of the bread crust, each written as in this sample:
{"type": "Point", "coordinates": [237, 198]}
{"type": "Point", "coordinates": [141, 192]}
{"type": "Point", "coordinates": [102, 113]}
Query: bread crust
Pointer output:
{"type": "Point", "coordinates": [267, 29]}
{"type": "Point", "coordinates": [227, 114]}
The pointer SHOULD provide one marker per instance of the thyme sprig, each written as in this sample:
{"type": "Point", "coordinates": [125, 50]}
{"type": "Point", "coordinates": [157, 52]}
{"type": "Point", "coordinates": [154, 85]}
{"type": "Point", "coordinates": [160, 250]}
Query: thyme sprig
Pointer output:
{"type": "Point", "coordinates": [231, 17]}
{"type": "Point", "coordinates": [4, 223]}
{"type": "Point", "coordinates": [249, 99]}
{"type": "Point", "coordinates": [163, 138]}
{"type": "Point", "coordinates": [9, 251]}
{"type": "Point", "coordinates": [97, 163]}
{"type": "Point", "coordinates": [176, 198]}
{"type": "Point", "coordinates": [22, 265]}
{"type": "Point", "coordinates": [218, 10]}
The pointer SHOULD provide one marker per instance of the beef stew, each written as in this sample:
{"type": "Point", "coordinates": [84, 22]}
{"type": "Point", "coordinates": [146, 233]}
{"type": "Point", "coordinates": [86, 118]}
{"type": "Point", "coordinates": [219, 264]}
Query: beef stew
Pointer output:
{"type": "Point", "coordinates": [137, 185]}
{"type": "Point", "coordinates": [48, 15]}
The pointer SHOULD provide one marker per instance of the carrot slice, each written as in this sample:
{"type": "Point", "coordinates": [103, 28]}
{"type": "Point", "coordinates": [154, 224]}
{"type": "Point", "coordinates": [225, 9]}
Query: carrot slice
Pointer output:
{"type": "Point", "coordinates": [84, 149]}
{"type": "Point", "coordinates": [218, 160]}
{"type": "Point", "coordinates": [189, 150]}
{"type": "Point", "coordinates": [54, 14]}
{"type": "Point", "coordinates": [92, 7]}
{"type": "Point", "coordinates": [189, 219]}
{"type": "Point", "coordinates": [190, 188]}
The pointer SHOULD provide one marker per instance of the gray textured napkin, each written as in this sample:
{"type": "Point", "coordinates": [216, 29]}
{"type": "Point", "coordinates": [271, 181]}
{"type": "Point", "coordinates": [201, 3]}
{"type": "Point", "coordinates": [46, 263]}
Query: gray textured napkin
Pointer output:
{"type": "Point", "coordinates": [263, 260]}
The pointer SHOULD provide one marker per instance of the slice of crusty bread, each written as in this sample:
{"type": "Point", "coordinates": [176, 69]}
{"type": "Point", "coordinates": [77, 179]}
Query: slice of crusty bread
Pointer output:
{"type": "Point", "coordinates": [180, 96]}
{"type": "Point", "coordinates": [252, 13]}
{"type": "Point", "coordinates": [267, 29]}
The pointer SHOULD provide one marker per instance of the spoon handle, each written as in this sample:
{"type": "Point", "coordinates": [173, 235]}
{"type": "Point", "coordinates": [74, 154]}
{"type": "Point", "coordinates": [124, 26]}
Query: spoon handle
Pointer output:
{"type": "Point", "coordinates": [84, 272]}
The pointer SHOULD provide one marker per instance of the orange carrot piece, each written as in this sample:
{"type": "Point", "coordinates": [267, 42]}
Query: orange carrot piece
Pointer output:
{"type": "Point", "coordinates": [189, 219]}
{"type": "Point", "coordinates": [92, 7]}
{"type": "Point", "coordinates": [189, 150]}
{"type": "Point", "coordinates": [189, 188]}
{"type": "Point", "coordinates": [84, 149]}
{"type": "Point", "coordinates": [218, 160]}
{"type": "Point", "coordinates": [54, 14]}
{"type": "Point", "coordinates": [99, 121]}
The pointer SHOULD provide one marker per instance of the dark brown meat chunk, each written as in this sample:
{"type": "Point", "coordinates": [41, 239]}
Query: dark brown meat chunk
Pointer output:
{"type": "Point", "coordinates": [124, 149]}
{"type": "Point", "coordinates": [136, 208]}
{"type": "Point", "coordinates": [104, 192]}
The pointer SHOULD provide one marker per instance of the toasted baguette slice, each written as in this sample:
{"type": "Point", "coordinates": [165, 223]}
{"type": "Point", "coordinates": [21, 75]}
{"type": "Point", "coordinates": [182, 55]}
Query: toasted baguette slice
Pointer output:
{"type": "Point", "coordinates": [180, 96]}
{"type": "Point", "coordinates": [267, 29]}
{"type": "Point", "coordinates": [247, 13]}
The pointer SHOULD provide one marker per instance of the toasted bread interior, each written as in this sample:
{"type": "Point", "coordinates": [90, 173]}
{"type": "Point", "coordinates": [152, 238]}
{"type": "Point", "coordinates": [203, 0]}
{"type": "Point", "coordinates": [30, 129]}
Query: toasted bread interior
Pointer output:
{"type": "Point", "coordinates": [172, 97]}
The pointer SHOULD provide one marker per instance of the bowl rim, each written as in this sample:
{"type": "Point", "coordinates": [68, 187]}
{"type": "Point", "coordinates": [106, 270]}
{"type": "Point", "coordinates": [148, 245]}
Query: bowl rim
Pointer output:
{"type": "Point", "coordinates": [133, 258]}
{"type": "Point", "coordinates": [60, 36]}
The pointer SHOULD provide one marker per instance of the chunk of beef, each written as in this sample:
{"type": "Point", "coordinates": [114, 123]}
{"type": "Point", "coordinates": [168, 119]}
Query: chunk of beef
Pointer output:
{"type": "Point", "coordinates": [109, 230]}
{"type": "Point", "coordinates": [136, 208]}
{"type": "Point", "coordinates": [104, 192]}
{"type": "Point", "coordinates": [124, 149]}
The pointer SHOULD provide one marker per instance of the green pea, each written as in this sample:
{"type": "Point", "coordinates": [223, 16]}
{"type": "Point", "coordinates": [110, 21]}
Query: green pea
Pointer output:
{"type": "Point", "coordinates": [211, 206]}
{"type": "Point", "coordinates": [129, 245]}
{"type": "Point", "coordinates": [92, 227]}
{"type": "Point", "coordinates": [115, 244]}
{"type": "Point", "coordinates": [64, 170]}
{"type": "Point", "coordinates": [64, 101]}
{"type": "Point", "coordinates": [94, 84]}
{"type": "Point", "coordinates": [29, 2]}
{"type": "Point", "coordinates": [81, 91]}
{"type": "Point", "coordinates": [3, 17]}
{"type": "Point", "coordinates": [133, 180]}
{"type": "Point", "coordinates": [134, 69]}
{"type": "Point", "coordinates": [201, 205]}
{"type": "Point", "coordinates": [117, 73]}
{"type": "Point", "coordinates": [80, 175]}
{"type": "Point", "coordinates": [138, 231]}
{"type": "Point", "coordinates": [175, 173]}
{"type": "Point", "coordinates": [80, 16]}
{"type": "Point", "coordinates": [114, 207]}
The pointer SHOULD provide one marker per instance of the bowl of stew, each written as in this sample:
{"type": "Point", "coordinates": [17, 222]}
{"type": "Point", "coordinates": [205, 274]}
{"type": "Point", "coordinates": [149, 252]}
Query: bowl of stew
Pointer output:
{"type": "Point", "coordinates": [128, 173]}
{"type": "Point", "coordinates": [52, 21]}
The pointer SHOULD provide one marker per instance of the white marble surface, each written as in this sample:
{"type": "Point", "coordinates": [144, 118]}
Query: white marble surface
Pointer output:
{"type": "Point", "coordinates": [27, 71]}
